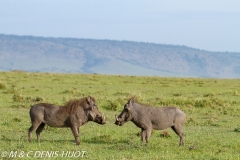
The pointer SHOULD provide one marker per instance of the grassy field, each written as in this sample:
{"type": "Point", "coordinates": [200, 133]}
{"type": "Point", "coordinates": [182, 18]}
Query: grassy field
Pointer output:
{"type": "Point", "coordinates": [212, 106]}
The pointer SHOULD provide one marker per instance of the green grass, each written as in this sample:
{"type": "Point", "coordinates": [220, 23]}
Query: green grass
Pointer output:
{"type": "Point", "coordinates": [212, 107]}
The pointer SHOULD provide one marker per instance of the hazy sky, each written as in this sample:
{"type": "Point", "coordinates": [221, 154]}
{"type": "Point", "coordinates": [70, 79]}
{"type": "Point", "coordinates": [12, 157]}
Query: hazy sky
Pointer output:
{"type": "Point", "coordinates": [212, 25]}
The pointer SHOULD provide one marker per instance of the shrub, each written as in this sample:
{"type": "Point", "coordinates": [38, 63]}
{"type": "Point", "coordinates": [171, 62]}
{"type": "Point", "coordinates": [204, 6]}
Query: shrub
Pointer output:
{"type": "Point", "coordinates": [235, 93]}
{"type": "Point", "coordinates": [237, 129]}
{"type": "Point", "coordinates": [18, 97]}
{"type": "Point", "coordinates": [30, 99]}
{"type": "Point", "coordinates": [201, 103]}
{"type": "Point", "coordinates": [113, 105]}
{"type": "Point", "coordinates": [3, 86]}
{"type": "Point", "coordinates": [19, 106]}
{"type": "Point", "coordinates": [208, 95]}
{"type": "Point", "coordinates": [177, 94]}
{"type": "Point", "coordinates": [38, 99]}
{"type": "Point", "coordinates": [165, 134]}
{"type": "Point", "coordinates": [17, 119]}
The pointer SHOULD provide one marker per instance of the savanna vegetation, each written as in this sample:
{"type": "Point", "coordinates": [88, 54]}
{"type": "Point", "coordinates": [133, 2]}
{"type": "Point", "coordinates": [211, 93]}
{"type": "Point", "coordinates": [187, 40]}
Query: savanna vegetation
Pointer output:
{"type": "Point", "coordinates": [212, 106]}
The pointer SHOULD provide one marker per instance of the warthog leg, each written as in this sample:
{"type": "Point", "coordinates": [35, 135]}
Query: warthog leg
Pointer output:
{"type": "Point", "coordinates": [143, 135]}
{"type": "Point", "coordinates": [39, 130]}
{"type": "Point", "coordinates": [34, 126]}
{"type": "Point", "coordinates": [178, 131]}
{"type": "Point", "coordinates": [146, 133]}
{"type": "Point", "coordinates": [75, 131]}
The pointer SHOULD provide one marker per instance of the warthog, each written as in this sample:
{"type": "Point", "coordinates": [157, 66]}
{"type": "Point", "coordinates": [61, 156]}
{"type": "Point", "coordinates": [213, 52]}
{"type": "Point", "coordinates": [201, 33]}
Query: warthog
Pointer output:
{"type": "Point", "coordinates": [148, 118]}
{"type": "Point", "coordinates": [74, 114]}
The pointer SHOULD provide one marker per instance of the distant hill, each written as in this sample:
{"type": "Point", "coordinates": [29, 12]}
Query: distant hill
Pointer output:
{"type": "Point", "coordinates": [71, 55]}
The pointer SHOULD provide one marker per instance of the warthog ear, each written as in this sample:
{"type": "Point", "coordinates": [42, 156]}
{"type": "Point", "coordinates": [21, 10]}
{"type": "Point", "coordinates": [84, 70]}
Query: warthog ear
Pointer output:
{"type": "Point", "coordinates": [131, 101]}
{"type": "Point", "coordinates": [89, 99]}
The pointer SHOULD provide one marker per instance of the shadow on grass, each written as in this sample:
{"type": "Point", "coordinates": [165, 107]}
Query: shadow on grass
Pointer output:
{"type": "Point", "coordinates": [104, 139]}
{"type": "Point", "coordinates": [101, 139]}
{"type": "Point", "coordinates": [24, 139]}
{"type": "Point", "coordinates": [94, 140]}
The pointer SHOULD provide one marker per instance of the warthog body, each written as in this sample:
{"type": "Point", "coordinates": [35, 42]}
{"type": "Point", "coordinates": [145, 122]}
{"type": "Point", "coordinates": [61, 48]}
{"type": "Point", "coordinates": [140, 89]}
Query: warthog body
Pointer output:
{"type": "Point", "coordinates": [74, 114]}
{"type": "Point", "coordinates": [148, 118]}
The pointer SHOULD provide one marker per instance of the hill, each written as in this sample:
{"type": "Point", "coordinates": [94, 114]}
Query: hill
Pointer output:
{"type": "Point", "coordinates": [45, 54]}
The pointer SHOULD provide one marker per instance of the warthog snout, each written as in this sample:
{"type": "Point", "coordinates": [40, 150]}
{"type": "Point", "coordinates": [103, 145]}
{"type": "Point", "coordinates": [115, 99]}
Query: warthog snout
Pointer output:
{"type": "Point", "coordinates": [100, 119]}
{"type": "Point", "coordinates": [119, 121]}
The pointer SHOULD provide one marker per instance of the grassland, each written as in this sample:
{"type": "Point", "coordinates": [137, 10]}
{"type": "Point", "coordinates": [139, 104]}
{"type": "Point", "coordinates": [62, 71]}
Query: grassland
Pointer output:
{"type": "Point", "coordinates": [212, 106]}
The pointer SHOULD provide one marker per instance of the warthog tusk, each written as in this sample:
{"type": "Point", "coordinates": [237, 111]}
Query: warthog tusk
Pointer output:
{"type": "Point", "coordinates": [103, 116]}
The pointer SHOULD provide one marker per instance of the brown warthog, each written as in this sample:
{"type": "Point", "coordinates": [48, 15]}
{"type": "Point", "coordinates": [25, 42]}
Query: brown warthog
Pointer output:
{"type": "Point", "coordinates": [74, 114]}
{"type": "Point", "coordinates": [148, 118]}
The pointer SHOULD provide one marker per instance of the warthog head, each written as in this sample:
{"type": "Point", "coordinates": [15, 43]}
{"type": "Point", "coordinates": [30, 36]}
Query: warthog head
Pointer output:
{"type": "Point", "coordinates": [126, 114]}
{"type": "Point", "coordinates": [93, 112]}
